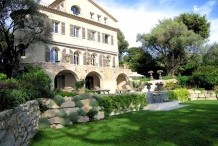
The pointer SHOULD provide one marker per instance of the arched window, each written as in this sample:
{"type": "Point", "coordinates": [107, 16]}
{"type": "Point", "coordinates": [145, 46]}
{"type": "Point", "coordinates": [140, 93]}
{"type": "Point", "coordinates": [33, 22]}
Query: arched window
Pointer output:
{"type": "Point", "coordinates": [93, 60]}
{"type": "Point", "coordinates": [76, 58]}
{"type": "Point", "coordinates": [75, 10]}
{"type": "Point", "coordinates": [54, 55]}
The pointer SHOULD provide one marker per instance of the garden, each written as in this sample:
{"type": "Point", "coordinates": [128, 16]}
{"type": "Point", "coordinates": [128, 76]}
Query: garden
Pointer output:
{"type": "Point", "coordinates": [195, 124]}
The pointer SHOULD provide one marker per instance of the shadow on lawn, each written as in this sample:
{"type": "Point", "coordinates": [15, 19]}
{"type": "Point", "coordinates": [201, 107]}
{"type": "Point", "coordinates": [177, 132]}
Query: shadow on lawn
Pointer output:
{"type": "Point", "coordinates": [192, 125]}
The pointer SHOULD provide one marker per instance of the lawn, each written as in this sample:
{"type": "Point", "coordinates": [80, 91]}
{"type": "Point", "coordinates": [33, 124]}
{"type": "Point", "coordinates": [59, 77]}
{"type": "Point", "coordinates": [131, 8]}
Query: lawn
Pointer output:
{"type": "Point", "coordinates": [193, 125]}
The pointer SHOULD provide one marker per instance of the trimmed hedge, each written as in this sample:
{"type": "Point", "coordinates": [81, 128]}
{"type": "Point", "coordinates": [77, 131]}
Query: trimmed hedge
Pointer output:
{"type": "Point", "coordinates": [180, 94]}
{"type": "Point", "coordinates": [122, 103]}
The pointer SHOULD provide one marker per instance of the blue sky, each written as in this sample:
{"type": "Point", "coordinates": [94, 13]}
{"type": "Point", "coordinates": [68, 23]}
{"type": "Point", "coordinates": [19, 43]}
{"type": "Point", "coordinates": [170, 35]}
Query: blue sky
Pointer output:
{"type": "Point", "coordinates": [140, 16]}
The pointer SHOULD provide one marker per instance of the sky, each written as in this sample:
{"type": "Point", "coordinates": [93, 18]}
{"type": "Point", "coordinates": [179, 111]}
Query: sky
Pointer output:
{"type": "Point", "coordinates": [140, 16]}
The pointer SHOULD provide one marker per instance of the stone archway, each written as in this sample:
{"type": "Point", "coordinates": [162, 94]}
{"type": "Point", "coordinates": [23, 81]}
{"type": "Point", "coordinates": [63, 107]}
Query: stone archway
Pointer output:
{"type": "Point", "coordinates": [93, 80]}
{"type": "Point", "coordinates": [65, 79]}
{"type": "Point", "coordinates": [122, 82]}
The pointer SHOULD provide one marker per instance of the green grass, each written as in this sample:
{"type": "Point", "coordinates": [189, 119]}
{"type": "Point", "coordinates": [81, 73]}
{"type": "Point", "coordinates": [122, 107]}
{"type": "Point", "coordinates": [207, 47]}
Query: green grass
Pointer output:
{"type": "Point", "coordinates": [193, 125]}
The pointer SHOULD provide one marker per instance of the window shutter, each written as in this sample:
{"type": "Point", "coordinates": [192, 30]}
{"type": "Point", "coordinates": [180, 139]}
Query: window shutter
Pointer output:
{"type": "Point", "coordinates": [62, 27]}
{"type": "Point", "coordinates": [63, 55]}
{"type": "Point", "coordinates": [47, 55]}
{"type": "Point", "coordinates": [112, 40]}
{"type": "Point", "coordinates": [83, 33]}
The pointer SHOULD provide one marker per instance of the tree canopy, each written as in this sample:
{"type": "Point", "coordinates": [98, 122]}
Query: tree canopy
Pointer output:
{"type": "Point", "coordinates": [171, 43]}
{"type": "Point", "coordinates": [21, 24]}
{"type": "Point", "coordinates": [197, 23]}
{"type": "Point", "coordinates": [211, 56]}
{"type": "Point", "coordinates": [139, 61]}
{"type": "Point", "coordinates": [122, 43]}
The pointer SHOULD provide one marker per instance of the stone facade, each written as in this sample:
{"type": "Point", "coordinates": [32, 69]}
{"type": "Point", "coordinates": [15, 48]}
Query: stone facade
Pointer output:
{"type": "Point", "coordinates": [83, 45]}
{"type": "Point", "coordinates": [19, 125]}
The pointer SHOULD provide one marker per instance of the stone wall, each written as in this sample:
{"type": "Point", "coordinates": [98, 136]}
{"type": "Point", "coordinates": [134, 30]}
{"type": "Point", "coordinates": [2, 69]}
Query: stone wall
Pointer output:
{"type": "Point", "coordinates": [202, 95]}
{"type": "Point", "coordinates": [78, 109]}
{"type": "Point", "coordinates": [19, 125]}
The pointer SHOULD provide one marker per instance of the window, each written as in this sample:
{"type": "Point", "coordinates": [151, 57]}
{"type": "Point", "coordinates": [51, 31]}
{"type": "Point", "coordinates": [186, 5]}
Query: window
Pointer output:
{"type": "Point", "coordinates": [91, 35]}
{"type": "Point", "coordinates": [93, 60]}
{"type": "Point", "coordinates": [105, 38]}
{"type": "Point", "coordinates": [105, 20]}
{"type": "Point", "coordinates": [91, 15]}
{"type": "Point", "coordinates": [112, 40]}
{"type": "Point", "coordinates": [74, 31]}
{"type": "Point", "coordinates": [83, 33]}
{"type": "Point", "coordinates": [55, 26]}
{"type": "Point", "coordinates": [54, 55]}
{"type": "Point", "coordinates": [75, 10]}
{"type": "Point", "coordinates": [62, 27]}
{"type": "Point", "coordinates": [76, 58]}
{"type": "Point", "coordinates": [99, 18]}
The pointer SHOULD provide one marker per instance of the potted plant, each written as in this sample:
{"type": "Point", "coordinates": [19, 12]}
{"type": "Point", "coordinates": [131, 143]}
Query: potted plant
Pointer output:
{"type": "Point", "coordinates": [80, 86]}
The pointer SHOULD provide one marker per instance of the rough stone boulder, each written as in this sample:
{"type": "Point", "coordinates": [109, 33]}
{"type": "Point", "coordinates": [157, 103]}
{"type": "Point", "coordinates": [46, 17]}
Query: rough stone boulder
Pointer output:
{"type": "Point", "coordinates": [83, 119]}
{"type": "Point", "coordinates": [99, 115]}
{"type": "Point", "coordinates": [68, 104]}
{"type": "Point", "coordinates": [48, 103]}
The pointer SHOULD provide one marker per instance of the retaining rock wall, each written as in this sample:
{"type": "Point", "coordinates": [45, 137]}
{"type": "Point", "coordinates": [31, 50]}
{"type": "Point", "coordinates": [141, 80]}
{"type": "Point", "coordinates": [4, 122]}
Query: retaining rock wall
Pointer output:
{"type": "Point", "coordinates": [19, 125]}
{"type": "Point", "coordinates": [202, 95]}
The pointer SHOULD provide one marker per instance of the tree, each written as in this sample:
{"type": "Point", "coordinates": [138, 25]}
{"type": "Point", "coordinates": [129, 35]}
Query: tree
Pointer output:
{"type": "Point", "coordinates": [21, 24]}
{"type": "Point", "coordinates": [171, 43]}
{"type": "Point", "coordinates": [122, 43]}
{"type": "Point", "coordinates": [211, 56]}
{"type": "Point", "coordinates": [197, 23]}
{"type": "Point", "coordinates": [139, 60]}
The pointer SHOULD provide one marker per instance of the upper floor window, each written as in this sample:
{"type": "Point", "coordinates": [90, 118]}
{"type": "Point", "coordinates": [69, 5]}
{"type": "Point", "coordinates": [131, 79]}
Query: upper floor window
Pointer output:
{"type": "Point", "coordinates": [54, 55]}
{"type": "Point", "coordinates": [74, 31]}
{"type": "Point", "coordinates": [99, 18]}
{"type": "Point", "coordinates": [105, 20]}
{"type": "Point", "coordinates": [91, 35]}
{"type": "Point", "coordinates": [105, 38]}
{"type": "Point", "coordinates": [55, 26]}
{"type": "Point", "coordinates": [75, 10]}
{"type": "Point", "coordinates": [91, 15]}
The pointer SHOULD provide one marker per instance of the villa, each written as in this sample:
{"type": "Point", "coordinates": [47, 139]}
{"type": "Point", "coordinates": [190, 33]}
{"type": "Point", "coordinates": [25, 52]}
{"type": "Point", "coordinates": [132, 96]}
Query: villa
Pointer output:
{"type": "Point", "coordinates": [84, 45]}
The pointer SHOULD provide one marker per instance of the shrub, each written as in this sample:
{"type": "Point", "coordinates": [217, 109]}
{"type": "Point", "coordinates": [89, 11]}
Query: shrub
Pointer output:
{"type": "Point", "coordinates": [64, 93]}
{"type": "Point", "coordinates": [93, 103]}
{"type": "Point", "coordinates": [74, 117]}
{"type": "Point", "coordinates": [76, 98]}
{"type": "Point", "coordinates": [39, 83]}
{"type": "Point", "coordinates": [81, 112]}
{"type": "Point", "coordinates": [125, 102]}
{"type": "Point", "coordinates": [180, 94]}
{"type": "Point", "coordinates": [78, 104]}
{"type": "Point", "coordinates": [84, 96]}
{"type": "Point", "coordinates": [170, 85]}
{"type": "Point", "coordinates": [183, 80]}
{"type": "Point", "coordinates": [10, 98]}
{"type": "Point", "coordinates": [205, 77]}
{"type": "Point", "coordinates": [62, 114]}
{"type": "Point", "coordinates": [79, 84]}
{"type": "Point", "coordinates": [43, 123]}
{"type": "Point", "coordinates": [58, 99]}
{"type": "Point", "coordinates": [2, 76]}
{"type": "Point", "coordinates": [91, 114]}
{"type": "Point", "coordinates": [171, 95]}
